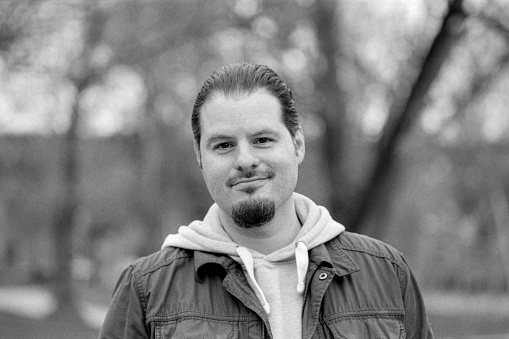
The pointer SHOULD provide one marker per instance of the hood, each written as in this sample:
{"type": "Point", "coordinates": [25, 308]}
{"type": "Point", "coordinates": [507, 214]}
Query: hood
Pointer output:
{"type": "Point", "coordinates": [209, 235]}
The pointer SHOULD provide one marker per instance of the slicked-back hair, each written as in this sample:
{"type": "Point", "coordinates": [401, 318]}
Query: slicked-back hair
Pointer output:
{"type": "Point", "coordinates": [240, 79]}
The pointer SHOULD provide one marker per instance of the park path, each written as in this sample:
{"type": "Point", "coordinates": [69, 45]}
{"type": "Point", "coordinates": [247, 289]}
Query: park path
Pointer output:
{"type": "Point", "coordinates": [38, 303]}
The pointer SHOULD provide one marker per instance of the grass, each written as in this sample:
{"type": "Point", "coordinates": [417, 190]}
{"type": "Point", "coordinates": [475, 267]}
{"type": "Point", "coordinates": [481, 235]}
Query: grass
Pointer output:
{"type": "Point", "coordinates": [462, 315]}
{"type": "Point", "coordinates": [60, 326]}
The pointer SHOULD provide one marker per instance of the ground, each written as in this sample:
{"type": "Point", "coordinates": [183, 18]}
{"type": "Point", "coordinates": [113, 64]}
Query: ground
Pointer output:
{"type": "Point", "coordinates": [19, 327]}
{"type": "Point", "coordinates": [27, 312]}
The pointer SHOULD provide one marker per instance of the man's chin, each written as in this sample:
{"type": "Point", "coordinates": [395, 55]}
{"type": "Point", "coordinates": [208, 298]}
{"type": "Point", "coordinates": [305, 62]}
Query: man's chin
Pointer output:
{"type": "Point", "coordinates": [254, 212]}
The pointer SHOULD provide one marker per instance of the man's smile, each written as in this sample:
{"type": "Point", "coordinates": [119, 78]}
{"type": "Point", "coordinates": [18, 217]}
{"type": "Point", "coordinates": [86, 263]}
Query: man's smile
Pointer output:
{"type": "Point", "coordinates": [250, 178]}
{"type": "Point", "coordinates": [248, 181]}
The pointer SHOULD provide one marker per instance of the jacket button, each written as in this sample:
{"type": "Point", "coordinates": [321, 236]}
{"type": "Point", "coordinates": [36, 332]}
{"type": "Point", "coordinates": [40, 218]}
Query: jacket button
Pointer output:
{"type": "Point", "coordinates": [322, 276]}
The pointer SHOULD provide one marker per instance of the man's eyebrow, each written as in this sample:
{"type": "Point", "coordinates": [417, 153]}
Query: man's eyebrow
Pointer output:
{"type": "Point", "coordinates": [217, 137]}
{"type": "Point", "coordinates": [222, 136]}
{"type": "Point", "coordinates": [265, 131]}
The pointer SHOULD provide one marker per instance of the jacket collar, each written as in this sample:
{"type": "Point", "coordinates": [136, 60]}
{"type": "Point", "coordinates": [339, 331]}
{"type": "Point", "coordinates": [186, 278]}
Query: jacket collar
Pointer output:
{"type": "Point", "coordinates": [205, 260]}
{"type": "Point", "coordinates": [328, 254]}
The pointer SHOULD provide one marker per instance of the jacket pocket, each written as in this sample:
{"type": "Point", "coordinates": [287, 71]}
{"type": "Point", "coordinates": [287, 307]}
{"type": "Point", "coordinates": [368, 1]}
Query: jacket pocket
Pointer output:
{"type": "Point", "coordinates": [196, 328]}
{"type": "Point", "coordinates": [367, 326]}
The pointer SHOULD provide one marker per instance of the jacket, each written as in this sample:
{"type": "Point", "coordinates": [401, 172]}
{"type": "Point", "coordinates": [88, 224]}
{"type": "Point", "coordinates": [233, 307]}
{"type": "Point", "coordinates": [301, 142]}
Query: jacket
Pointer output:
{"type": "Point", "coordinates": [355, 287]}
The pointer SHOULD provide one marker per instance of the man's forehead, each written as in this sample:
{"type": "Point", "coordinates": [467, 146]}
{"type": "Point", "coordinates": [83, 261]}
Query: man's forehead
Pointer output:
{"type": "Point", "coordinates": [242, 107]}
{"type": "Point", "coordinates": [250, 127]}
{"type": "Point", "coordinates": [238, 94]}
{"type": "Point", "coordinates": [251, 114]}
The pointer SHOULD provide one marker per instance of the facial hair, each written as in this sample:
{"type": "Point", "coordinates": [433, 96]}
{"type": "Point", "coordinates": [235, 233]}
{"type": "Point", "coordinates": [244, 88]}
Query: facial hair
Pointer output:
{"type": "Point", "coordinates": [253, 213]}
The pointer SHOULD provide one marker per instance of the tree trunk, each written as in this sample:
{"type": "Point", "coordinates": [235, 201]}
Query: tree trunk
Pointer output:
{"type": "Point", "coordinates": [65, 215]}
{"type": "Point", "coordinates": [150, 169]}
{"type": "Point", "coordinates": [400, 122]}
{"type": "Point", "coordinates": [333, 110]}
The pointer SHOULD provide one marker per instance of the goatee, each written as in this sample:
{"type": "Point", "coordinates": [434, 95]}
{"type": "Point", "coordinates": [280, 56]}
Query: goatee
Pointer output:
{"type": "Point", "coordinates": [254, 212]}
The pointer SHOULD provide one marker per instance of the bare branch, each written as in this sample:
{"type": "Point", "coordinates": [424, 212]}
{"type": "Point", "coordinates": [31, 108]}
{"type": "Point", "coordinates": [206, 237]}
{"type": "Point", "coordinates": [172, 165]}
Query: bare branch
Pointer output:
{"type": "Point", "coordinates": [399, 123]}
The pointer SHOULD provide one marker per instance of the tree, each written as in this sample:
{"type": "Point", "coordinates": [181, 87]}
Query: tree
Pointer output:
{"type": "Point", "coordinates": [333, 110]}
{"type": "Point", "coordinates": [81, 75]}
{"type": "Point", "coordinates": [399, 123]}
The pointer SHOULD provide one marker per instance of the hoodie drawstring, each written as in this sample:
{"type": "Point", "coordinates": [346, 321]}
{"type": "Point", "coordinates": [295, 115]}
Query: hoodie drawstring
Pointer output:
{"type": "Point", "coordinates": [302, 261]}
{"type": "Point", "coordinates": [247, 259]}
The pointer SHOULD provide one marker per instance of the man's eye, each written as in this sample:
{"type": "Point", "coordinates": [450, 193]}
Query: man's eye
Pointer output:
{"type": "Point", "coordinates": [262, 140]}
{"type": "Point", "coordinates": [223, 146]}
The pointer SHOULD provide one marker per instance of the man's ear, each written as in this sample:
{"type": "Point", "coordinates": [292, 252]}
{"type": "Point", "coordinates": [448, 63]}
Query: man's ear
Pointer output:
{"type": "Point", "coordinates": [197, 152]}
{"type": "Point", "coordinates": [300, 144]}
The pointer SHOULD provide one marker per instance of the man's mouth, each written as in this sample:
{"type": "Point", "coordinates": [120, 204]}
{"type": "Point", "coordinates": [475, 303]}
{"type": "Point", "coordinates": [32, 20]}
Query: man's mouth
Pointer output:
{"type": "Point", "coordinates": [249, 178]}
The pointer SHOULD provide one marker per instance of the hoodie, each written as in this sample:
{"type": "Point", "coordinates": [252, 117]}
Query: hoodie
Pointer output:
{"type": "Point", "coordinates": [278, 278]}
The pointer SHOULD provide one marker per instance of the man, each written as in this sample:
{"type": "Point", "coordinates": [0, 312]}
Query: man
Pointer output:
{"type": "Point", "coordinates": [265, 262]}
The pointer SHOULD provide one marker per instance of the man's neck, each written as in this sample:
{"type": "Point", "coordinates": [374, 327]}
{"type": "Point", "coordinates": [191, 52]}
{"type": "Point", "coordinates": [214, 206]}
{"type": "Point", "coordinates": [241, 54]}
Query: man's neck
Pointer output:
{"type": "Point", "coordinates": [278, 233]}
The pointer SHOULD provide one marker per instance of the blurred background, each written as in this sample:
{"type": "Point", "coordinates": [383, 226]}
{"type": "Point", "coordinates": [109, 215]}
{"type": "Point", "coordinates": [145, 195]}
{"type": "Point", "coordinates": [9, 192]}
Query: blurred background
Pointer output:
{"type": "Point", "coordinates": [404, 105]}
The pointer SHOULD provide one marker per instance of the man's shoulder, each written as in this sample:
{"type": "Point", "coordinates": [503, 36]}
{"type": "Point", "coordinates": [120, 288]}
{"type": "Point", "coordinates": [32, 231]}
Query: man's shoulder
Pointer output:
{"type": "Point", "coordinates": [164, 258]}
{"type": "Point", "coordinates": [359, 244]}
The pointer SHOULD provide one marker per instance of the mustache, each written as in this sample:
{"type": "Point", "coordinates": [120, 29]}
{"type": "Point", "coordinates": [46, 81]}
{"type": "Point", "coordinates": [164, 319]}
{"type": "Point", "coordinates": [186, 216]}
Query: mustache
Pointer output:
{"type": "Point", "coordinates": [266, 174]}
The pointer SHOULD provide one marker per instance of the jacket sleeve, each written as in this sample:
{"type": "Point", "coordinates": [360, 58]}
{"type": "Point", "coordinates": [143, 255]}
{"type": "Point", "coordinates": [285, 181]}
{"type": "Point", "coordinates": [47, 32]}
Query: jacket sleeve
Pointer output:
{"type": "Point", "coordinates": [125, 317]}
{"type": "Point", "coordinates": [416, 321]}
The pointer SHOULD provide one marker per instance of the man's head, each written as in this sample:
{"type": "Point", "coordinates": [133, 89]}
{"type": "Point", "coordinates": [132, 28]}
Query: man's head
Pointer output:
{"type": "Point", "coordinates": [248, 143]}
{"type": "Point", "coordinates": [238, 79]}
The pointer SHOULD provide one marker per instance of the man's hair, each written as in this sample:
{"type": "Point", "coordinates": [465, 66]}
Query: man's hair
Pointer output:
{"type": "Point", "coordinates": [245, 78]}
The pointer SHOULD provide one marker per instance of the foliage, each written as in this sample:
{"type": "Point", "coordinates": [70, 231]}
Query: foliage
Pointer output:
{"type": "Point", "coordinates": [146, 60]}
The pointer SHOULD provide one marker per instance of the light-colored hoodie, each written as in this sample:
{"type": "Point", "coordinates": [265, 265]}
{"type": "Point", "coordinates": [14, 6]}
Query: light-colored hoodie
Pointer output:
{"type": "Point", "coordinates": [277, 278]}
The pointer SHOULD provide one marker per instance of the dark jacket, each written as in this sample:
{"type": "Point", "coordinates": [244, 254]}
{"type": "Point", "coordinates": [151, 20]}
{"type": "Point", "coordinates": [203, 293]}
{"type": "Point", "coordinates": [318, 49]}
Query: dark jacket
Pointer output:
{"type": "Point", "coordinates": [356, 287]}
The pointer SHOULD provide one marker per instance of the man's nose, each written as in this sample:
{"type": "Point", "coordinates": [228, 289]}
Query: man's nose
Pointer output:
{"type": "Point", "coordinates": [246, 158]}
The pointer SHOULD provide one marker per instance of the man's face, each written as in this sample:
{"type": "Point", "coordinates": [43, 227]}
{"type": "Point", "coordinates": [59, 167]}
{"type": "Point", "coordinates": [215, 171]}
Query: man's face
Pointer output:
{"type": "Point", "coordinates": [246, 152]}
